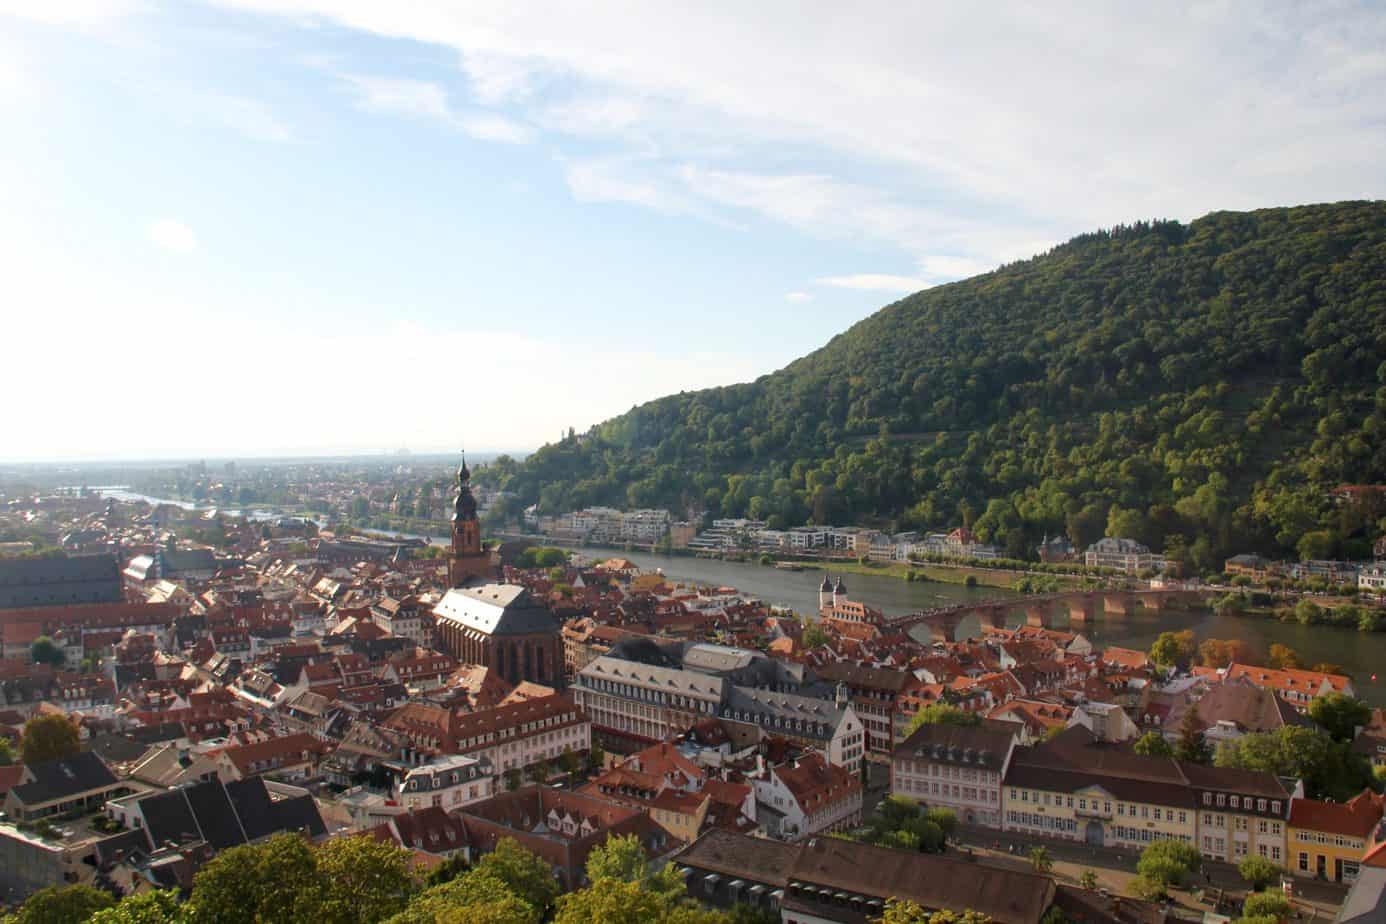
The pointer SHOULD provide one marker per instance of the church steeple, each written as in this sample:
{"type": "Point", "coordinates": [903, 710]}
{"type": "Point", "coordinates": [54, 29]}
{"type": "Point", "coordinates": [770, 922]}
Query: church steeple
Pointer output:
{"type": "Point", "coordinates": [469, 559]}
{"type": "Point", "coordinates": [465, 505]}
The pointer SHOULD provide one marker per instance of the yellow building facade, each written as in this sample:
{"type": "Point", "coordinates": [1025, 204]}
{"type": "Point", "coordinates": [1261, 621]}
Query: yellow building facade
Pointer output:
{"type": "Point", "coordinates": [1076, 788]}
{"type": "Point", "coordinates": [1327, 840]}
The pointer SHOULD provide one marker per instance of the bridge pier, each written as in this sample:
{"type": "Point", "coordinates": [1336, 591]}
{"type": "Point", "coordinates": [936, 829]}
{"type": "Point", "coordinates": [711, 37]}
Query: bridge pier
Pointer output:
{"type": "Point", "coordinates": [1037, 616]}
{"type": "Point", "coordinates": [1081, 611]}
{"type": "Point", "coordinates": [945, 628]}
{"type": "Point", "coordinates": [1117, 604]}
{"type": "Point", "coordinates": [994, 616]}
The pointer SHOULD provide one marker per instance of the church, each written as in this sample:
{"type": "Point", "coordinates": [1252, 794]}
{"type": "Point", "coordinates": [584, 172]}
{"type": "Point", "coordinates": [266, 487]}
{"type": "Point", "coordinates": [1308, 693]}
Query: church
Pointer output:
{"type": "Point", "coordinates": [482, 621]}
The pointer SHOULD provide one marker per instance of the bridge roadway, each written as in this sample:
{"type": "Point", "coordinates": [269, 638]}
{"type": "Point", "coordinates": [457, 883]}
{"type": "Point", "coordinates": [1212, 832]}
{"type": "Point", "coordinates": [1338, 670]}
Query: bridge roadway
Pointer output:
{"type": "Point", "coordinates": [1081, 605]}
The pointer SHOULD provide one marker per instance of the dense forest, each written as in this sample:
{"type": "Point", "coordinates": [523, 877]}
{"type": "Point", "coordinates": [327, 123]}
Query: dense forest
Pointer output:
{"type": "Point", "coordinates": [1199, 387]}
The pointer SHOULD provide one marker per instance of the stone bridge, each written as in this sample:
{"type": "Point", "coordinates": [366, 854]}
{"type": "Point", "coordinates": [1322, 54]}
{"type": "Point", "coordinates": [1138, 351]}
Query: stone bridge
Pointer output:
{"type": "Point", "coordinates": [1081, 606]}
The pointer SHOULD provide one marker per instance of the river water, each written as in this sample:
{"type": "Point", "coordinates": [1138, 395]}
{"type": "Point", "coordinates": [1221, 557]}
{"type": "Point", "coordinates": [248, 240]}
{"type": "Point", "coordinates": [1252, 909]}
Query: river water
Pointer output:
{"type": "Point", "coordinates": [1361, 654]}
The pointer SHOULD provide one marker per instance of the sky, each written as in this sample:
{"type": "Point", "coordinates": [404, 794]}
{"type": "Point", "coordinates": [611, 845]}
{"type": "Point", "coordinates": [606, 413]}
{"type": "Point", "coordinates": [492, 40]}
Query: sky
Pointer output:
{"type": "Point", "coordinates": [259, 227]}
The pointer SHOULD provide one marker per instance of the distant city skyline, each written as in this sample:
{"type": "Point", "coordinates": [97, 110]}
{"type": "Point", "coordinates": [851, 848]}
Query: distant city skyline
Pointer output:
{"type": "Point", "coordinates": [252, 228]}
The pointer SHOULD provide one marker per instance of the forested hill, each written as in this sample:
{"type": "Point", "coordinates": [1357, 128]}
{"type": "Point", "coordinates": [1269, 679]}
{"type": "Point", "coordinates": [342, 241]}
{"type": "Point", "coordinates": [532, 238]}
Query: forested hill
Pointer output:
{"type": "Point", "coordinates": [1199, 387]}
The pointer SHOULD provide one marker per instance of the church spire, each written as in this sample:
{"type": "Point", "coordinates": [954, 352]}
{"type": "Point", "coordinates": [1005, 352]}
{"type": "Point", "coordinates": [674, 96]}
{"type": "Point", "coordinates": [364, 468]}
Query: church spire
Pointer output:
{"type": "Point", "coordinates": [465, 505]}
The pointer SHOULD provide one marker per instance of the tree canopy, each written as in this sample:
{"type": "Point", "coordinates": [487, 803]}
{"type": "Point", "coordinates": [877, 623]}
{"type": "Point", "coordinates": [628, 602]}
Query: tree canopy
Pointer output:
{"type": "Point", "coordinates": [49, 737]}
{"type": "Point", "coordinates": [46, 651]}
{"type": "Point", "coordinates": [1198, 387]}
{"type": "Point", "coordinates": [940, 714]}
{"type": "Point", "coordinates": [1329, 768]}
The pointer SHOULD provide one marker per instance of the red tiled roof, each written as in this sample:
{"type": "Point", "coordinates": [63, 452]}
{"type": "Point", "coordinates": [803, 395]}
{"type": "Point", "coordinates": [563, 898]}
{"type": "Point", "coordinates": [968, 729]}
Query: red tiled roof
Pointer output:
{"type": "Point", "coordinates": [1354, 818]}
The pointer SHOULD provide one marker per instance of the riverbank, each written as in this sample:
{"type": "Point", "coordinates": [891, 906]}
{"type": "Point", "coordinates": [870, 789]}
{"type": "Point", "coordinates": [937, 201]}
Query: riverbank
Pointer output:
{"type": "Point", "coordinates": [941, 574]}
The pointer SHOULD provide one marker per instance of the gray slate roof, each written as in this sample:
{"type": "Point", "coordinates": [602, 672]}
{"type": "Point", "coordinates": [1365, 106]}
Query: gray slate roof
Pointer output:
{"type": "Point", "coordinates": [57, 581]}
{"type": "Point", "coordinates": [62, 779]}
{"type": "Point", "coordinates": [495, 609]}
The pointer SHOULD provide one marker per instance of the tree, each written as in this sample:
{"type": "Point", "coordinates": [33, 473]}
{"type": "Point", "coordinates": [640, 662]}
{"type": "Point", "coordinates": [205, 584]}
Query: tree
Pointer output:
{"type": "Point", "coordinates": [45, 651]}
{"type": "Point", "coordinates": [1216, 652]}
{"type": "Point", "coordinates": [945, 818]}
{"type": "Point", "coordinates": [1170, 648]}
{"type": "Point", "coordinates": [1329, 768]}
{"type": "Point", "coordinates": [596, 757]}
{"type": "Point", "coordinates": [815, 636]}
{"type": "Point", "coordinates": [454, 866]}
{"type": "Point", "coordinates": [513, 779]}
{"type": "Point", "coordinates": [49, 737]}
{"type": "Point", "coordinates": [6, 752]}
{"type": "Point", "coordinates": [521, 871]}
{"type": "Point", "coordinates": [537, 772]}
{"type": "Point", "coordinates": [569, 763]}
{"type": "Point", "coordinates": [1088, 880]}
{"type": "Point", "coordinates": [61, 905]}
{"type": "Point", "coordinates": [614, 901]}
{"type": "Point", "coordinates": [1168, 862]}
{"type": "Point", "coordinates": [894, 811]}
{"type": "Point", "coordinates": [1153, 744]}
{"type": "Point", "coordinates": [158, 907]}
{"type": "Point", "coordinates": [474, 898]}
{"type": "Point", "coordinates": [1283, 657]}
{"type": "Point", "coordinates": [618, 858]}
{"type": "Point", "coordinates": [1316, 545]}
{"type": "Point", "coordinates": [1191, 745]}
{"type": "Point", "coordinates": [904, 911]}
{"type": "Point", "coordinates": [274, 882]}
{"type": "Point", "coordinates": [1040, 861]}
{"type": "Point", "coordinates": [1340, 715]}
{"type": "Point", "coordinates": [363, 880]}
{"type": "Point", "coordinates": [941, 714]}
{"type": "Point", "coordinates": [1271, 904]}
{"type": "Point", "coordinates": [1258, 871]}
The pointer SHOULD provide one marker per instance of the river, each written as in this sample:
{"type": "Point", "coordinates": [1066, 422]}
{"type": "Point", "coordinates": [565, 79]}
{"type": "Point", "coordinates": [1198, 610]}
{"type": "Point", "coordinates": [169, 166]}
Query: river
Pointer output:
{"type": "Point", "coordinates": [1361, 654]}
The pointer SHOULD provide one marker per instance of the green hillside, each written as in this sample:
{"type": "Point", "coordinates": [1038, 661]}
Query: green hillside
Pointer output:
{"type": "Point", "coordinates": [1199, 387]}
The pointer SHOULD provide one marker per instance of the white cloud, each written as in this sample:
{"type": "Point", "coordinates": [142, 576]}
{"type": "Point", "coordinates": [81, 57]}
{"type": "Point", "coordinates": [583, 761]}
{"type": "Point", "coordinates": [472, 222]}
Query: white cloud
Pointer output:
{"type": "Point", "coordinates": [428, 100]}
{"type": "Point", "coordinates": [875, 282]}
{"type": "Point", "coordinates": [249, 117]}
{"type": "Point", "coordinates": [171, 234]}
{"type": "Point", "coordinates": [950, 130]}
{"type": "Point", "coordinates": [401, 97]}
{"type": "Point", "coordinates": [797, 297]}
{"type": "Point", "coordinates": [487, 127]}
{"type": "Point", "coordinates": [622, 179]}
{"type": "Point", "coordinates": [82, 13]}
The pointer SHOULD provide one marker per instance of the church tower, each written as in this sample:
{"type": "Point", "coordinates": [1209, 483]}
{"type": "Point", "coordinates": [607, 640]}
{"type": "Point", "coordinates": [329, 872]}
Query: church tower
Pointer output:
{"type": "Point", "coordinates": [469, 560]}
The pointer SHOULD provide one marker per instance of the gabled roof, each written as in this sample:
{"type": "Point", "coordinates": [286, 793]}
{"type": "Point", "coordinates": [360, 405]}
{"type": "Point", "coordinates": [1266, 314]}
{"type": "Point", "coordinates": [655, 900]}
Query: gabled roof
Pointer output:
{"type": "Point", "coordinates": [60, 779]}
{"type": "Point", "coordinates": [495, 609]}
{"type": "Point", "coordinates": [1357, 817]}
